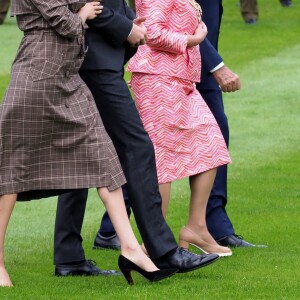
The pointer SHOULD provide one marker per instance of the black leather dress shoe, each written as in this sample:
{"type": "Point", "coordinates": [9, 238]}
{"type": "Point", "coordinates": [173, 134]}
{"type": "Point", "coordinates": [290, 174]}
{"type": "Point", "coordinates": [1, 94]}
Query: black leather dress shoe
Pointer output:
{"type": "Point", "coordinates": [286, 3]}
{"type": "Point", "coordinates": [111, 242]}
{"type": "Point", "coordinates": [87, 268]}
{"type": "Point", "coordinates": [235, 240]}
{"type": "Point", "coordinates": [184, 260]}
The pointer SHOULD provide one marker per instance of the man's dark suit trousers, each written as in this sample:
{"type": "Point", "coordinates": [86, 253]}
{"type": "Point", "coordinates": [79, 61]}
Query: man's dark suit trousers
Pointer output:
{"type": "Point", "coordinates": [136, 153]}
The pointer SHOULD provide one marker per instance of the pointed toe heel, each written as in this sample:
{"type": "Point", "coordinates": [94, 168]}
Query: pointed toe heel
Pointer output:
{"type": "Point", "coordinates": [188, 237]}
{"type": "Point", "coordinates": [126, 266]}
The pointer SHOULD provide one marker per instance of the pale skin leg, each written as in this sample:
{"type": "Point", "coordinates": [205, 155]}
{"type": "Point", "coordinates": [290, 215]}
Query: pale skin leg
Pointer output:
{"type": "Point", "coordinates": [130, 247]}
{"type": "Point", "coordinates": [115, 206]}
{"type": "Point", "coordinates": [7, 203]}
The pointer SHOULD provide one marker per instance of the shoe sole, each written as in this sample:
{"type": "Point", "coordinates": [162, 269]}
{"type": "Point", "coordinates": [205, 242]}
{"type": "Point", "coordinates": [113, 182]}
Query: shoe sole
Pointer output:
{"type": "Point", "coordinates": [66, 274]}
{"type": "Point", "coordinates": [205, 252]}
{"type": "Point", "coordinates": [155, 280]}
{"type": "Point", "coordinates": [106, 248]}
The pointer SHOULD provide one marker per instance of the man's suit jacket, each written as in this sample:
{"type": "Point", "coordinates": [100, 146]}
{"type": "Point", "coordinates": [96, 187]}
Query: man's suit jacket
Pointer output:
{"type": "Point", "coordinates": [106, 37]}
{"type": "Point", "coordinates": [209, 47]}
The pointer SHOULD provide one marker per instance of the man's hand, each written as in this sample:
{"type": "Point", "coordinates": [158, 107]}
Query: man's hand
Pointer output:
{"type": "Point", "coordinates": [227, 80]}
{"type": "Point", "coordinates": [138, 35]}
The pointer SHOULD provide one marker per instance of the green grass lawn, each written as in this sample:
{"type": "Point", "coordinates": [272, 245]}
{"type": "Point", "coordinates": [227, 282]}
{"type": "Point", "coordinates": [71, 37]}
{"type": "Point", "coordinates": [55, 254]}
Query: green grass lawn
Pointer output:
{"type": "Point", "coordinates": [264, 183]}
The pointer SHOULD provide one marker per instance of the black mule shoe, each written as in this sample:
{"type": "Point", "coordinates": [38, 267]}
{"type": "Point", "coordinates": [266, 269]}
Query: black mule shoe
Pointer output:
{"type": "Point", "coordinates": [126, 266]}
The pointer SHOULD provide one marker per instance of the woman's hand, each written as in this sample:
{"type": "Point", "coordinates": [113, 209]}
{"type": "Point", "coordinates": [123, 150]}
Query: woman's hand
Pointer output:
{"type": "Point", "coordinates": [198, 36]}
{"type": "Point", "coordinates": [201, 32]}
{"type": "Point", "coordinates": [90, 11]}
{"type": "Point", "coordinates": [138, 35]}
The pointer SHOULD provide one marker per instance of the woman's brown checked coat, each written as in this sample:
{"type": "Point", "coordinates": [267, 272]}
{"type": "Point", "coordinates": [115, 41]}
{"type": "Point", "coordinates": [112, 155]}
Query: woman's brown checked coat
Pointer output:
{"type": "Point", "coordinates": [51, 136]}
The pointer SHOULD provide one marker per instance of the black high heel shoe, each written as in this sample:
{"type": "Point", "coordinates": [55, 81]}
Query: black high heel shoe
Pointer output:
{"type": "Point", "coordinates": [126, 266]}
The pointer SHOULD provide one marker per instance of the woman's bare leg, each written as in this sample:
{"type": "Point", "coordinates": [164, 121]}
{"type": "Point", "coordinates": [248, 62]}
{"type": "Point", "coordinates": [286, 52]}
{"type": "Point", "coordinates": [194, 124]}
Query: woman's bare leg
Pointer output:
{"type": "Point", "coordinates": [165, 192]}
{"type": "Point", "coordinates": [130, 247]}
{"type": "Point", "coordinates": [201, 185]}
{"type": "Point", "coordinates": [196, 231]}
{"type": "Point", "coordinates": [7, 203]}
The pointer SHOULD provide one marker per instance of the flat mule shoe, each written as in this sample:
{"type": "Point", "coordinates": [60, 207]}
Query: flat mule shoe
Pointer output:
{"type": "Point", "coordinates": [188, 237]}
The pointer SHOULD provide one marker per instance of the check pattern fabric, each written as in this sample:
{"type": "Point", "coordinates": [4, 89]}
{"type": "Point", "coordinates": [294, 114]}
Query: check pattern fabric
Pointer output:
{"type": "Point", "coordinates": [51, 135]}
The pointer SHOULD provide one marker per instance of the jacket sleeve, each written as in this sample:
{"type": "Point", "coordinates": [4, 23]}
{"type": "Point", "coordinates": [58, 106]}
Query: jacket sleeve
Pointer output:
{"type": "Point", "coordinates": [58, 16]}
{"type": "Point", "coordinates": [129, 51]}
{"type": "Point", "coordinates": [210, 57]}
{"type": "Point", "coordinates": [159, 36]}
{"type": "Point", "coordinates": [112, 25]}
{"type": "Point", "coordinates": [129, 12]}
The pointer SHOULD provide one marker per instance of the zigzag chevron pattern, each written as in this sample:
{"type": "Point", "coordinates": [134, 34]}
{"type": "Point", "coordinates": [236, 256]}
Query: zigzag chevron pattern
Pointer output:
{"type": "Point", "coordinates": [186, 137]}
{"type": "Point", "coordinates": [168, 22]}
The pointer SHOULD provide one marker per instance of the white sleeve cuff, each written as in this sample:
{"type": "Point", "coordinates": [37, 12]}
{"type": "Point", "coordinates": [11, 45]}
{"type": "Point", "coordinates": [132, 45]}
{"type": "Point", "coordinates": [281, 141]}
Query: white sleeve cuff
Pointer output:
{"type": "Point", "coordinates": [220, 65]}
{"type": "Point", "coordinates": [130, 31]}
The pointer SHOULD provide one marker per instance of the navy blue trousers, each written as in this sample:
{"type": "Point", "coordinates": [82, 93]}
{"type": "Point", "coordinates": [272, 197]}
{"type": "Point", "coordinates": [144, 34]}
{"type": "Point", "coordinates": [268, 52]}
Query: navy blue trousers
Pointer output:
{"type": "Point", "coordinates": [218, 222]}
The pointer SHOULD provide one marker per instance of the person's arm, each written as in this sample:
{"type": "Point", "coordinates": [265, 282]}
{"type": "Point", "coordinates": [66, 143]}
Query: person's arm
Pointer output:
{"type": "Point", "coordinates": [117, 28]}
{"type": "Point", "coordinates": [58, 16]}
{"type": "Point", "coordinates": [112, 25]}
{"type": "Point", "coordinates": [210, 57]}
{"type": "Point", "coordinates": [227, 80]}
{"type": "Point", "coordinates": [213, 63]}
{"type": "Point", "coordinates": [198, 36]}
{"type": "Point", "coordinates": [132, 4]}
{"type": "Point", "coordinates": [158, 35]}
{"type": "Point", "coordinates": [90, 11]}
{"type": "Point", "coordinates": [130, 13]}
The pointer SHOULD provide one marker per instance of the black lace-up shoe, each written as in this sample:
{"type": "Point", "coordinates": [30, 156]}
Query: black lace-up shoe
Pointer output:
{"type": "Point", "coordinates": [86, 268]}
{"type": "Point", "coordinates": [235, 240]}
{"type": "Point", "coordinates": [111, 242]}
{"type": "Point", "coordinates": [184, 260]}
{"type": "Point", "coordinates": [286, 3]}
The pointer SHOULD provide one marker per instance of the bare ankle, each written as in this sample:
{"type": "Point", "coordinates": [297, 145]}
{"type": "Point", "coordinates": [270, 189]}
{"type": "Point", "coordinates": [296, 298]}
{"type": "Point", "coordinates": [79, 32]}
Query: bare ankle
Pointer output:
{"type": "Point", "coordinates": [202, 231]}
{"type": "Point", "coordinates": [130, 251]}
{"type": "Point", "coordinates": [197, 228]}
